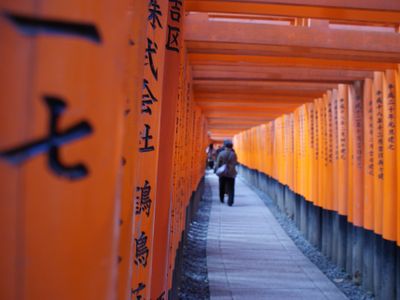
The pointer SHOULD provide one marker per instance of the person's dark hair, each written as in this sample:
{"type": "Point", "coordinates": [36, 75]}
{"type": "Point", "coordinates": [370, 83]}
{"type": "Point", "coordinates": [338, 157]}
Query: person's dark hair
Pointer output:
{"type": "Point", "coordinates": [228, 144]}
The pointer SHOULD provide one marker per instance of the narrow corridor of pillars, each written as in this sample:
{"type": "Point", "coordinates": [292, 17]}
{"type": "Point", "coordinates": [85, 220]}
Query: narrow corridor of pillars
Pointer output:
{"type": "Point", "coordinates": [147, 83]}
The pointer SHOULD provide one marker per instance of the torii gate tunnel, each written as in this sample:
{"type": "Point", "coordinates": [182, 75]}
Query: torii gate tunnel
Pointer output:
{"type": "Point", "coordinates": [107, 108]}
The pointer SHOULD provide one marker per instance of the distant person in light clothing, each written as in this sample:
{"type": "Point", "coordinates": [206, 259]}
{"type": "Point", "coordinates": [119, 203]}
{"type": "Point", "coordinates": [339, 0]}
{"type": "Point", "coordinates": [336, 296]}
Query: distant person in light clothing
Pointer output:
{"type": "Point", "coordinates": [227, 180]}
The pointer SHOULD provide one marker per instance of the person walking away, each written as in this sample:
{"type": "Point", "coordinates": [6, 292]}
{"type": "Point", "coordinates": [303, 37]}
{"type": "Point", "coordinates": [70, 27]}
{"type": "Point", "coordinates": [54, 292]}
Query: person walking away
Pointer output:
{"type": "Point", "coordinates": [227, 178]}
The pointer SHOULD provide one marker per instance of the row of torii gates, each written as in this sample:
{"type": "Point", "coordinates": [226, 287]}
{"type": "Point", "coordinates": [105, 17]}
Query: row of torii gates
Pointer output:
{"type": "Point", "coordinates": [107, 108]}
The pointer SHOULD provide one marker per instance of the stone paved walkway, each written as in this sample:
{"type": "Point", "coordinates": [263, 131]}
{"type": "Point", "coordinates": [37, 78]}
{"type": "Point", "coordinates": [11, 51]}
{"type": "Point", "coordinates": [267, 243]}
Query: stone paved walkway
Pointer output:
{"type": "Point", "coordinates": [250, 257]}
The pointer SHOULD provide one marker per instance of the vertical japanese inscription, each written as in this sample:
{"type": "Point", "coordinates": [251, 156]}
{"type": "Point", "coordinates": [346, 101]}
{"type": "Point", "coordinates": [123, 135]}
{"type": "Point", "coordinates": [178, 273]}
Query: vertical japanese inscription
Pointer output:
{"type": "Point", "coordinates": [391, 118]}
{"type": "Point", "coordinates": [330, 132]}
{"type": "Point", "coordinates": [379, 121]}
{"type": "Point", "coordinates": [370, 153]}
{"type": "Point", "coordinates": [175, 11]}
{"type": "Point", "coordinates": [148, 139]}
{"type": "Point", "coordinates": [358, 111]}
{"type": "Point", "coordinates": [343, 130]}
{"type": "Point", "coordinates": [335, 128]}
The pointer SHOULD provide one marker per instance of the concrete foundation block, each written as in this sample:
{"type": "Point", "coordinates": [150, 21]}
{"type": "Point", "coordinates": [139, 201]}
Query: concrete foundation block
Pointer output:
{"type": "Point", "coordinates": [335, 236]}
{"type": "Point", "coordinates": [314, 232]}
{"type": "Point", "coordinates": [388, 270]}
{"type": "Point", "coordinates": [303, 216]}
{"type": "Point", "coordinates": [377, 252]}
{"type": "Point", "coordinates": [368, 261]}
{"type": "Point", "coordinates": [325, 233]}
{"type": "Point", "coordinates": [349, 248]}
{"type": "Point", "coordinates": [357, 254]}
{"type": "Point", "coordinates": [329, 232]}
{"type": "Point", "coordinates": [297, 213]}
{"type": "Point", "coordinates": [342, 242]}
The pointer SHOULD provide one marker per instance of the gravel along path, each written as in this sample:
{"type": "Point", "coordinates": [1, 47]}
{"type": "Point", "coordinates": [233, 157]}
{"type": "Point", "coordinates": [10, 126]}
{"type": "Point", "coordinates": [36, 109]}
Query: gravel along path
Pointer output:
{"type": "Point", "coordinates": [194, 281]}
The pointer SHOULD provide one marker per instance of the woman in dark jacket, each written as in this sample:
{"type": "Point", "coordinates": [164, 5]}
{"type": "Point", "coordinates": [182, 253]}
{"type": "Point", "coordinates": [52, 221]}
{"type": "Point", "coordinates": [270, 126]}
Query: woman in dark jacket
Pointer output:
{"type": "Point", "coordinates": [227, 178]}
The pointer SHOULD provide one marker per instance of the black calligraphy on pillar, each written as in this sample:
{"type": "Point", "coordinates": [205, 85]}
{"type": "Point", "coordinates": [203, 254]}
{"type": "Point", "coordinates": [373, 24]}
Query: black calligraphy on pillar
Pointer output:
{"type": "Point", "coordinates": [311, 113]}
{"type": "Point", "coordinates": [174, 31]}
{"type": "Point", "coordinates": [358, 111]}
{"type": "Point", "coordinates": [51, 144]}
{"type": "Point", "coordinates": [138, 291]}
{"type": "Point", "coordinates": [141, 251]}
{"type": "Point", "coordinates": [330, 132]}
{"type": "Point", "coordinates": [146, 138]}
{"type": "Point", "coordinates": [143, 201]}
{"type": "Point", "coordinates": [148, 98]}
{"type": "Point", "coordinates": [154, 14]}
{"type": "Point", "coordinates": [391, 118]}
{"type": "Point", "coordinates": [173, 38]}
{"type": "Point", "coordinates": [343, 130]}
{"type": "Point", "coordinates": [150, 51]}
{"type": "Point", "coordinates": [379, 121]}
{"type": "Point", "coordinates": [336, 129]}
{"type": "Point", "coordinates": [370, 138]}
{"type": "Point", "coordinates": [325, 133]}
{"type": "Point", "coordinates": [175, 10]}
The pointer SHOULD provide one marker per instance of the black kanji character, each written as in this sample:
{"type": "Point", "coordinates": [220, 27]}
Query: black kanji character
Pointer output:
{"type": "Point", "coordinates": [142, 252]}
{"type": "Point", "coordinates": [52, 143]}
{"type": "Point", "coordinates": [154, 14]}
{"type": "Point", "coordinates": [148, 98]}
{"type": "Point", "coordinates": [146, 137]}
{"type": "Point", "coordinates": [175, 11]}
{"type": "Point", "coordinates": [173, 37]}
{"type": "Point", "coordinates": [150, 51]}
{"type": "Point", "coordinates": [143, 202]}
